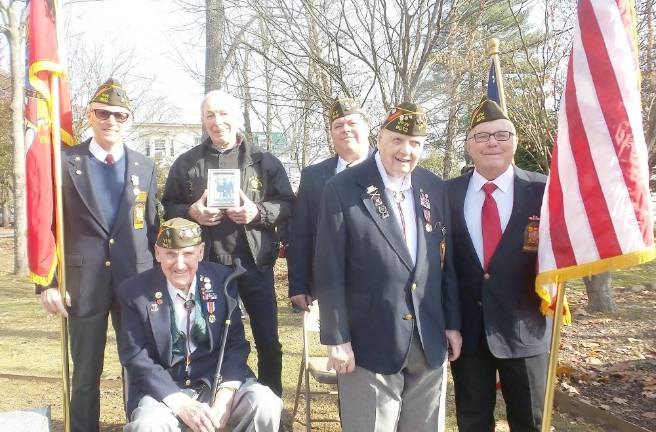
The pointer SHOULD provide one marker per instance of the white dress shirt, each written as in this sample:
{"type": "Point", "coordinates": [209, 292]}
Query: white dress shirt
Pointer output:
{"type": "Point", "coordinates": [342, 164]}
{"type": "Point", "coordinates": [474, 198]}
{"type": "Point", "coordinates": [100, 153]}
{"type": "Point", "coordinates": [401, 184]}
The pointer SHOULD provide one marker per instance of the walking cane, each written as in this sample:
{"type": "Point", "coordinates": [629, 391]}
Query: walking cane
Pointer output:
{"type": "Point", "coordinates": [231, 303]}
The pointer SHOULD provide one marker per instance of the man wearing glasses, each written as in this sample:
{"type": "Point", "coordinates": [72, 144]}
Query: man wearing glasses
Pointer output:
{"type": "Point", "coordinates": [495, 213]}
{"type": "Point", "coordinates": [110, 227]}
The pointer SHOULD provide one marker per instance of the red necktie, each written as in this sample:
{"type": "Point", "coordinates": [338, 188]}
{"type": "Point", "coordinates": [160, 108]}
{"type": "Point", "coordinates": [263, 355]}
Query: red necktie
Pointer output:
{"type": "Point", "coordinates": [109, 159]}
{"type": "Point", "coordinates": [490, 224]}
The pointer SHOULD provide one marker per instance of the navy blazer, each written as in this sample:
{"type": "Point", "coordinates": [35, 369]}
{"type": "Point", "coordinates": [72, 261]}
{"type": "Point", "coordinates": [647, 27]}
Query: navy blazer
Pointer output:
{"type": "Point", "coordinates": [502, 301]}
{"type": "Point", "coordinates": [364, 277]}
{"type": "Point", "coordinates": [100, 257]}
{"type": "Point", "coordinates": [300, 251]}
{"type": "Point", "coordinates": [145, 343]}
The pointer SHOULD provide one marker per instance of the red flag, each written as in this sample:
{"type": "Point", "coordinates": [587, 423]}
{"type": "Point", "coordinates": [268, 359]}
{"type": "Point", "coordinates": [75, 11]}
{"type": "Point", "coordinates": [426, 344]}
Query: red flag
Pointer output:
{"type": "Point", "coordinates": [596, 213]}
{"type": "Point", "coordinates": [42, 65]}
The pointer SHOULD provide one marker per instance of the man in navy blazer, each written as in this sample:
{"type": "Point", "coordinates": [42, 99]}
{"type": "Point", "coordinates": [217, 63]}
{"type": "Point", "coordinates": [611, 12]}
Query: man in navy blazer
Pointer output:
{"type": "Point", "coordinates": [172, 321]}
{"type": "Point", "coordinates": [110, 225]}
{"type": "Point", "coordinates": [495, 214]}
{"type": "Point", "coordinates": [386, 285]}
{"type": "Point", "coordinates": [349, 131]}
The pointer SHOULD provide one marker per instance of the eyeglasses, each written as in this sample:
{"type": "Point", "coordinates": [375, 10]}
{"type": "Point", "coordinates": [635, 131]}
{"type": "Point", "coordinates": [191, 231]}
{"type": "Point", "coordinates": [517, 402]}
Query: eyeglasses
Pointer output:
{"type": "Point", "coordinates": [483, 137]}
{"type": "Point", "coordinates": [102, 114]}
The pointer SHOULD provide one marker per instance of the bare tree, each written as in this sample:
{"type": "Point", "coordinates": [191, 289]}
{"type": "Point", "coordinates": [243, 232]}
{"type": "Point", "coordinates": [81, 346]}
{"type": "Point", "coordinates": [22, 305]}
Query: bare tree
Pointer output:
{"type": "Point", "coordinates": [13, 15]}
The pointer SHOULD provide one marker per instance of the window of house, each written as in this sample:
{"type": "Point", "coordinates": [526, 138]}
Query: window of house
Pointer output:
{"type": "Point", "coordinates": [159, 145]}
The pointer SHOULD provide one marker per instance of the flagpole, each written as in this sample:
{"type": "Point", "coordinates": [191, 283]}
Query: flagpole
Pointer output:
{"type": "Point", "coordinates": [59, 226]}
{"type": "Point", "coordinates": [493, 52]}
{"type": "Point", "coordinates": [550, 389]}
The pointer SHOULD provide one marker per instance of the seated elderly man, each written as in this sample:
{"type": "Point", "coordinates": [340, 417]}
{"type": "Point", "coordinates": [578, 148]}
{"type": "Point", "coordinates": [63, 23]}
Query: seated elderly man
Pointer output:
{"type": "Point", "coordinates": [170, 372]}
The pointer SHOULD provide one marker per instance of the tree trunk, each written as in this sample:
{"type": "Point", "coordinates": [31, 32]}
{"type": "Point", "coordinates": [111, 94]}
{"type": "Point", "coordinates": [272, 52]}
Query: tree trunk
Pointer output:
{"type": "Point", "coordinates": [600, 293]}
{"type": "Point", "coordinates": [248, 100]}
{"type": "Point", "coordinates": [6, 214]}
{"type": "Point", "coordinates": [20, 205]}
{"type": "Point", "coordinates": [214, 28]}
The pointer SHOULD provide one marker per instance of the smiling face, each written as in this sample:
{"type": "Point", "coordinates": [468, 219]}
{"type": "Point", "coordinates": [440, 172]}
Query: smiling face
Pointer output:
{"type": "Point", "coordinates": [492, 158]}
{"type": "Point", "coordinates": [108, 133]}
{"type": "Point", "coordinates": [399, 153]}
{"type": "Point", "coordinates": [221, 121]}
{"type": "Point", "coordinates": [350, 137]}
{"type": "Point", "coordinates": [179, 265]}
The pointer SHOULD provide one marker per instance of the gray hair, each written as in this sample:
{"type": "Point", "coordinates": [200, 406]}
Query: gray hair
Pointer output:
{"type": "Point", "coordinates": [232, 104]}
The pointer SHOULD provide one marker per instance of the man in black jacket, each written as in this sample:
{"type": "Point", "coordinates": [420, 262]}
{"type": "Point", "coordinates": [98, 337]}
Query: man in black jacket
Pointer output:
{"type": "Point", "coordinates": [110, 225]}
{"type": "Point", "coordinates": [495, 213]}
{"type": "Point", "coordinates": [247, 231]}
{"type": "Point", "coordinates": [172, 323]}
{"type": "Point", "coordinates": [349, 131]}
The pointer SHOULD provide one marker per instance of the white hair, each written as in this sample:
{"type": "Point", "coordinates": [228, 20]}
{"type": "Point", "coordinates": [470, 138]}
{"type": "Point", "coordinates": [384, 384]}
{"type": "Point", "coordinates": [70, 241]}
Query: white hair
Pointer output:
{"type": "Point", "coordinates": [232, 105]}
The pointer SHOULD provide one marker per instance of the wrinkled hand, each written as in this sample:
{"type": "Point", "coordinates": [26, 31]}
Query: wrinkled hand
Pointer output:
{"type": "Point", "coordinates": [454, 342]}
{"type": "Point", "coordinates": [199, 416]}
{"type": "Point", "coordinates": [205, 215]}
{"type": "Point", "coordinates": [223, 405]}
{"type": "Point", "coordinates": [52, 302]}
{"type": "Point", "coordinates": [341, 358]}
{"type": "Point", "coordinates": [303, 301]}
{"type": "Point", "coordinates": [244, 214]}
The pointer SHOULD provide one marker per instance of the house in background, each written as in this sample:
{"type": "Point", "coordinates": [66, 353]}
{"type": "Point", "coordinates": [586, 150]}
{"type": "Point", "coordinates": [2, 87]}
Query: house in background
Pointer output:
{"type": "Point", "coordinates": [164, 142]}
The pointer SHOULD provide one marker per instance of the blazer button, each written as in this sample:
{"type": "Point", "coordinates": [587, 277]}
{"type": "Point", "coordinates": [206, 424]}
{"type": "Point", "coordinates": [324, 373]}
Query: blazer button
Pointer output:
{"type": "Point", "coordinates": [486, 276]}
{"type": "Point", "coordinates": [108, 263]}
{"type": "Point", "coordinates": [188, 383]}
{"type": "Point", "coordinates": [408, 317]}
{"type": "Point", "coordinates": [111, 241]}
{"type": "Point", "coordinates": [414, 286]}
{"type": "Point", "coordinates": [479, 303]}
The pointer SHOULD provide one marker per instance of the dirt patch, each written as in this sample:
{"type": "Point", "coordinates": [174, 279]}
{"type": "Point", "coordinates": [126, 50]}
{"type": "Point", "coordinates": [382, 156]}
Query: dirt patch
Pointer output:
{"type": "Point", "coordinates": [610, 361]}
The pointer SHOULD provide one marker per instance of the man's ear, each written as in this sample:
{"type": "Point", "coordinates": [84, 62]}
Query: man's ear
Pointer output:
{"type": "Point", "coordinates": [201, 251]}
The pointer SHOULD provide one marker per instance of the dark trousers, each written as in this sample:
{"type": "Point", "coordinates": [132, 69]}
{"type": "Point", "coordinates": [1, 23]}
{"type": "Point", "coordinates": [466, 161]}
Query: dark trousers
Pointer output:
{"type": "Point", "coordinates": [257, 292]}
{"type": "Point", "coordinates": [523, 382]}
{"type": "Point", "coordinates": [88, 336]}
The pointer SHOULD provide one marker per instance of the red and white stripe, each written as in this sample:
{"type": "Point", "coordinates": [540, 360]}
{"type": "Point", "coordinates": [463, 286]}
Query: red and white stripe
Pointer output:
{"type": "Point", "coordinates": [597, 204]}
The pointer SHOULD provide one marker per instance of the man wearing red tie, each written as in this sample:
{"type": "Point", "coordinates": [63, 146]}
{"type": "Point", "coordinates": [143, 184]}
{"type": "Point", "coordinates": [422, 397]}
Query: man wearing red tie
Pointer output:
{"type": "Point", "coordinates": [495, 215]}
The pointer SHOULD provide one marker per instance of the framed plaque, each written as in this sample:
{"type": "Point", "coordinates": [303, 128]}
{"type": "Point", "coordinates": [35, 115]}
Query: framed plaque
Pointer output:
{"type": "Point", "coordinates": [223, 188]}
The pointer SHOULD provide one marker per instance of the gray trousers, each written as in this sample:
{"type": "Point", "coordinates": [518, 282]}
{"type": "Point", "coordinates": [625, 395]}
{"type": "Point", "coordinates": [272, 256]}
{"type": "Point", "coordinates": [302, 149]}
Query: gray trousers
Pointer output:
{"type": "Point", "coordinates": [255, 409]}
{"type": "Point", "coordinates": [407, 401]}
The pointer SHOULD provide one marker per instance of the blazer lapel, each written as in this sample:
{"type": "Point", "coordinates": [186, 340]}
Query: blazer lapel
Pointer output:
{"type": "Point", "coordinates": [381, 212]}
{"type": "Point", "coordinates": [132, 183]}
{"type": "Point", "coordinates": [460, 189]}
{"type": "Point", "coordinates": [421, 229]}
{"type": "Point", "coordinates": [209, 303]}
{"type": "Point", "coordinates": [159, 317]}
{"type": "Point", "coordinates": [78, 171]}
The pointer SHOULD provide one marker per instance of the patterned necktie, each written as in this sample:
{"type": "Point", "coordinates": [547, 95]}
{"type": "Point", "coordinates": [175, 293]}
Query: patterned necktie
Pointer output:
{"type": "Point", "coordinates": [490, 224]}
{"type": "Point", "coordinates": [109, 159]}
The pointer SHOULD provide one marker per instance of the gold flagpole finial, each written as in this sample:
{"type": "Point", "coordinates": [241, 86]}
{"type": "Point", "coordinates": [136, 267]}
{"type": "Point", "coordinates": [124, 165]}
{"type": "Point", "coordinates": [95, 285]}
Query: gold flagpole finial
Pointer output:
{"type": "Point", "coordinates": [492, 46]}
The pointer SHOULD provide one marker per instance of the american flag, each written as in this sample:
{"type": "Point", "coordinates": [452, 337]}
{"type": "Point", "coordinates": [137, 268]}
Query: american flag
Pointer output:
{"type": "Point", "coordinates": [596, 213]}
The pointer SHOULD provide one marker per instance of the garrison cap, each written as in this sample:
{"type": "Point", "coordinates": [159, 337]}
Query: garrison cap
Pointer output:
{"type": "Point", "coordinates": [112, 93]}
{"type": "Point", "coordinates": [178, 233]}
{"type": "Point", "coordinates": [486, 110]}
{"type": "Point", "coordinates": [341, 107]}
{"type": "Point", "coordinates": [407, 118]}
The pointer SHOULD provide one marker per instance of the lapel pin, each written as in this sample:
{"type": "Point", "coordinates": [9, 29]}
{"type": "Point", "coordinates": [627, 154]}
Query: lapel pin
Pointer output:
{"type": "Point", "coordinates": [78, 172]}
{"type": "Point", "coordinates": [154, 307]}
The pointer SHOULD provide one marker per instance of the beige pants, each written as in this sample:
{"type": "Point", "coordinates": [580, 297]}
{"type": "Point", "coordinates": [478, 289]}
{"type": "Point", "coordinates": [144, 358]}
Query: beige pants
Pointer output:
{"type": "Point", "coordinates": [407, 401]}
{"type": "Point", "coordinates": [255, 409]}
